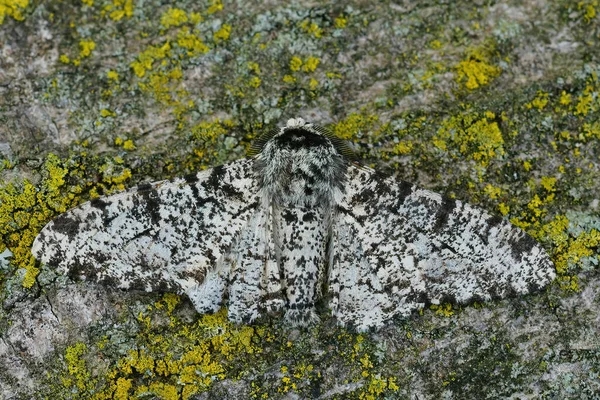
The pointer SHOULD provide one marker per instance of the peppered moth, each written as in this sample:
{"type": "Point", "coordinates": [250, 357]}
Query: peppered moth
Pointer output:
{"type": "Point", "coordinates": [297, 222]}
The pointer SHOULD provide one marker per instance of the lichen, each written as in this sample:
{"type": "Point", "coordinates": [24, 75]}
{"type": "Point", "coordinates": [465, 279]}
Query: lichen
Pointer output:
{"type": "Point", "coordinates": [456, 99]}
{"type": "Point", "coordinates": [477, 70]}
{"type": "Point", "coordinates": [472, 135]}
{"type": "Point", "coordinates": [12, 8]}
{"type": "Point", "coordinates": [25, 208]}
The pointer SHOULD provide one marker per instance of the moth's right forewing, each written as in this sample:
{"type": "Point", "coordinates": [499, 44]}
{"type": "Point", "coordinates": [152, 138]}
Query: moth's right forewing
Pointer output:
{"type": "Point", "coordinates": [397, 247]}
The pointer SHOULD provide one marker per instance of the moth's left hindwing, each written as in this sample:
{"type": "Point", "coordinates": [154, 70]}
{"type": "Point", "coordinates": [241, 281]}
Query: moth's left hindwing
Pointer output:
{"type": "Point", "coordinates": [396, 247]}
{"type": "Point", "coordinates": [170, 235]}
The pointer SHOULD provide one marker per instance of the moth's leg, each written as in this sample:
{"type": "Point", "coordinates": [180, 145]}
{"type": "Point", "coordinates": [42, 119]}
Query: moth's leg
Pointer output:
{"type": "Point", "coordinates": [246, 287]}
{"type": "Point", "coordinates": [333, 272]}
{"type": "Point", "coordinates": [302, 236]}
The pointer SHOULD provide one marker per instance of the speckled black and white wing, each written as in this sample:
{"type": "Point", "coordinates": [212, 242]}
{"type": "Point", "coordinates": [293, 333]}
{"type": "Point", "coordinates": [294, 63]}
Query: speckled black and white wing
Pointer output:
{"type": "Point", "coordinates": [396, 248]}
{"type": "Point", "coordinates": [173, 235]}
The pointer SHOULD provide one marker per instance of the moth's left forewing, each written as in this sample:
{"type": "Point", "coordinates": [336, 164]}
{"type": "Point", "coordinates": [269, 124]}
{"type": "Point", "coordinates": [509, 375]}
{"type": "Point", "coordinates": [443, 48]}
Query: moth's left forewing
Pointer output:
{"type": "Point", "coordinates": [169, 235]}
{"type": "Point", "coordinates": [398, 247]}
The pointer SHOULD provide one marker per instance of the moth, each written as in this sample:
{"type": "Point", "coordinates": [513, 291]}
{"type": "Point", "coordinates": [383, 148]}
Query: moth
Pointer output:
{"type": "Point", "coordinates": [297, 222]}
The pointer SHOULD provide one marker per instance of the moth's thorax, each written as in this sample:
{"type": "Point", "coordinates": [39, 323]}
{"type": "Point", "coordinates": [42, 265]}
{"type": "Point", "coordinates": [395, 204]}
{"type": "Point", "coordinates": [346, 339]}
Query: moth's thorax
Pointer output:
{"type": "Point", "coordinates": [301, 168]}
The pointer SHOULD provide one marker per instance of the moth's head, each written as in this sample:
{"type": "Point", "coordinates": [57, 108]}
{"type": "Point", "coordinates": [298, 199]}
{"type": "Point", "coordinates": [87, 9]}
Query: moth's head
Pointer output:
{"type": "Point", "coordinates": [300, 136]}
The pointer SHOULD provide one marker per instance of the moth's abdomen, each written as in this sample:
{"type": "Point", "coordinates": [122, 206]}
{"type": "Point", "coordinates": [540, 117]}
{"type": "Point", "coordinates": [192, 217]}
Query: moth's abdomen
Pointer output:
{"type": "Point", "coordinates": [300, 239]}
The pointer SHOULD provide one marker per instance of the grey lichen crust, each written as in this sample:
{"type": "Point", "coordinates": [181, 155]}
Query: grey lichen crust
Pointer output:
{"type": "Point", "coordinates": [268, 233]}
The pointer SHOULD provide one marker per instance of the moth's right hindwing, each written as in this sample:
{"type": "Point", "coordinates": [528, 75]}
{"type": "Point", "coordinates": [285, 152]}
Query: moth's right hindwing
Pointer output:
{"type": "Point", "coordinates": [169, 235]}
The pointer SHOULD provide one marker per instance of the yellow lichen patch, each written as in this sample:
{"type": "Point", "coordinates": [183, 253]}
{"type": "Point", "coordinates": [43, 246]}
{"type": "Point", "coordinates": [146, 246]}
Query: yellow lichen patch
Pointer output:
{"type": "Point", "coordinates": [539, 102]}
{"type": "Point", "coordinates": [476, 70]}
{"type": "Point", "coordinates": [254, 67]}
{"type": "Point", "coordinates": [12, 8]}
{"type": "Point", "coordinates": [25, 209]}
{"type": "Point", "coordinates": [570, 247]}
{"type": "Point", "coordinates": [114, 176]}
{"type": "Point", "coordinates": [112, 75]}
{"type": "Point", "coordinates": [192, 42]}
{"type": "Point", "coordinates": [76, 367]}
{"type": "Point", "coordinates": [548, 183]}
{"type": "Point", "coordinates": [128, 145]}
{"type": "Point", "coordinates": [471, 134]}
{"type": "Point", "coordinates": [587, 102]}
{"type": "Point", "coordinates": [254, 82]}
{"type": "Point", "coordinates": [216, 5]}
{"type": "Point", "coordinates": [295, 63]}
{"type": "Point", "coordinates": [355, 124]}
{"type": "Point", "coordinates": [378, 386]}
{"type": "Point", "coordinates": [435, 44]}
{"type": "Point", "coordinates": [403, 147]}
{"type": "Point", "coordinates": [222, 34]}
{"type": "Point", "coordinates": [107, 113]}
{"type": "Point", "coordinates": [588, 8]}
{"type": "Point", "coordinates": [504, 209]}
{"type": "Point", "coordinates": [117, 9]}
{"type": "Point", "coordinates": [146, 59]}
{"type": "Point", "coordinates": [206, 137]}
{"type": "Point", "coordinates": [173, 17]}
{"type": "Point", "coordinates": [162, 368]}
{"type": "Point", "coordinates": [565, 98]}
{"type": "Point", "coordinates": [571, 253]}
{"type": "Point", "coordinates": [444, 310]}
{"type": "Point", "coordinates": [340, 22]}
{"type": "Point", "coordinates": [311, 28]}
{"type": "Point", "coordinates": [590, 131]}
{"type": "Point", "coordinates": [310, 64]}
{"type": "Point", "coordinates": [86, 46]}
